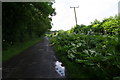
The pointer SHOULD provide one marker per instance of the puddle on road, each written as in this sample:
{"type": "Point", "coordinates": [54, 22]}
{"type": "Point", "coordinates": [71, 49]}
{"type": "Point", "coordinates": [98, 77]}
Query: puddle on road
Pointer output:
{"type": "Point", "coordinates": [59, 68]}
{"type": "Point", "coordinates": [47, 38]}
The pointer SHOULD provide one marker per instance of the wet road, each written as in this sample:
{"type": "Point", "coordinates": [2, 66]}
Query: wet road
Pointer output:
{"type": "Point", "coordinates": [35, 62]}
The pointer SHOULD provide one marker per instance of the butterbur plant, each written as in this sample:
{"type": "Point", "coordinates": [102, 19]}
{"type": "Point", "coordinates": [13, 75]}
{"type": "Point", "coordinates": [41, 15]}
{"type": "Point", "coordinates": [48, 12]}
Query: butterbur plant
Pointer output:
{"type": "Point", "coordinates": [95, 48]}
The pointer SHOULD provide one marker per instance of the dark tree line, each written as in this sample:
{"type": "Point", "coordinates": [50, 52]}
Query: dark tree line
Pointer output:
{"type": "Point", "coordinates": [24, 21]}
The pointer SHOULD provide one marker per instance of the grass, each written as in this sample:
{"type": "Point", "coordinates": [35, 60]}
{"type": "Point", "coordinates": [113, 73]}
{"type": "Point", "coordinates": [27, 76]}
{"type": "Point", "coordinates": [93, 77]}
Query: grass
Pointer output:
{"type": "Point", "coordinates": [17, 49]}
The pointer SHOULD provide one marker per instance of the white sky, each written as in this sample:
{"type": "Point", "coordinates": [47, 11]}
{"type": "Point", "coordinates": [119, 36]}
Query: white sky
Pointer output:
{"type": "Point", "coordinates": [88, 11]}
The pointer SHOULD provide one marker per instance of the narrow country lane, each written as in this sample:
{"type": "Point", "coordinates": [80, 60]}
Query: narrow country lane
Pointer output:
{"type": "Point", "coordinates": [35, 62]}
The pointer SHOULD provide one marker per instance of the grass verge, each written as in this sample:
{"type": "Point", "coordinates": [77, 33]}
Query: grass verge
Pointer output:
{"type": "Point", "coordinates": [17, 49]}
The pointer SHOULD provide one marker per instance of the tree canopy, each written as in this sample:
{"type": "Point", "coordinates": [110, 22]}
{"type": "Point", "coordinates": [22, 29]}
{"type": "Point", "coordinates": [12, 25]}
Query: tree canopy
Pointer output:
{"type": "Point", "coordinates": [25, 20]}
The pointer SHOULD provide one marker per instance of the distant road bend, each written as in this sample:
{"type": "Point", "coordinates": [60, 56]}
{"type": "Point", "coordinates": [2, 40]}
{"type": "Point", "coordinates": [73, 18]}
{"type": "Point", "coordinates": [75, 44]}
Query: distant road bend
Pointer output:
{"type": "Point", "coordinates": [35, 62]}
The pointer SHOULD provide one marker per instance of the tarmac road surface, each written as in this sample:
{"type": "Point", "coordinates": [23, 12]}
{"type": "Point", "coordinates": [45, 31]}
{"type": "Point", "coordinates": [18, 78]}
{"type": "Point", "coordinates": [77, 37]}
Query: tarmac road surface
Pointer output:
{"type": "Point", "coordinates": [37, 61]}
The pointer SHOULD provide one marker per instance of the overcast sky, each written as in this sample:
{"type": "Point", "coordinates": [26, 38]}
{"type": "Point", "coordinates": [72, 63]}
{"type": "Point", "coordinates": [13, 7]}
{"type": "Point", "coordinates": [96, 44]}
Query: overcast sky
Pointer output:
{"type": "Point", "coordinates": [88, 11]}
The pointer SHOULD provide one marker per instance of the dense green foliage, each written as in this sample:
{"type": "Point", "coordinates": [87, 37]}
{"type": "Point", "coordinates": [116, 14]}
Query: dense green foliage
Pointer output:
{"type": "Point", "coordinates": [94, 49]}
{"type": "Point", "coordinates": [24, 21]}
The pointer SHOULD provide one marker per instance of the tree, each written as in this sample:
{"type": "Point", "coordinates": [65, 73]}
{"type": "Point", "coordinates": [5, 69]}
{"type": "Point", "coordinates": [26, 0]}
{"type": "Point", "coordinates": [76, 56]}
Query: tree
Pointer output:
{"type": "Point", "coordinates": [26, 21]}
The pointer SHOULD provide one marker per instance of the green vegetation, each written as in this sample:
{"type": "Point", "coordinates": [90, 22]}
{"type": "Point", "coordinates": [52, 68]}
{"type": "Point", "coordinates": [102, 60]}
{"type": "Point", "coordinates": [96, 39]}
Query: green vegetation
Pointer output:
{"type": "Point", "coordinates": [92, 51]}
{"type": "Point", "coordinates": [17, 49]}
{"type": "Point", "coordinates": [23, 22]}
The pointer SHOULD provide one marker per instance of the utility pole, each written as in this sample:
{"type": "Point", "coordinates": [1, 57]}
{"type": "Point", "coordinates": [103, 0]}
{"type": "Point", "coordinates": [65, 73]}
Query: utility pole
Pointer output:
{"type": "Point", "coordinates": [75, 14]}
